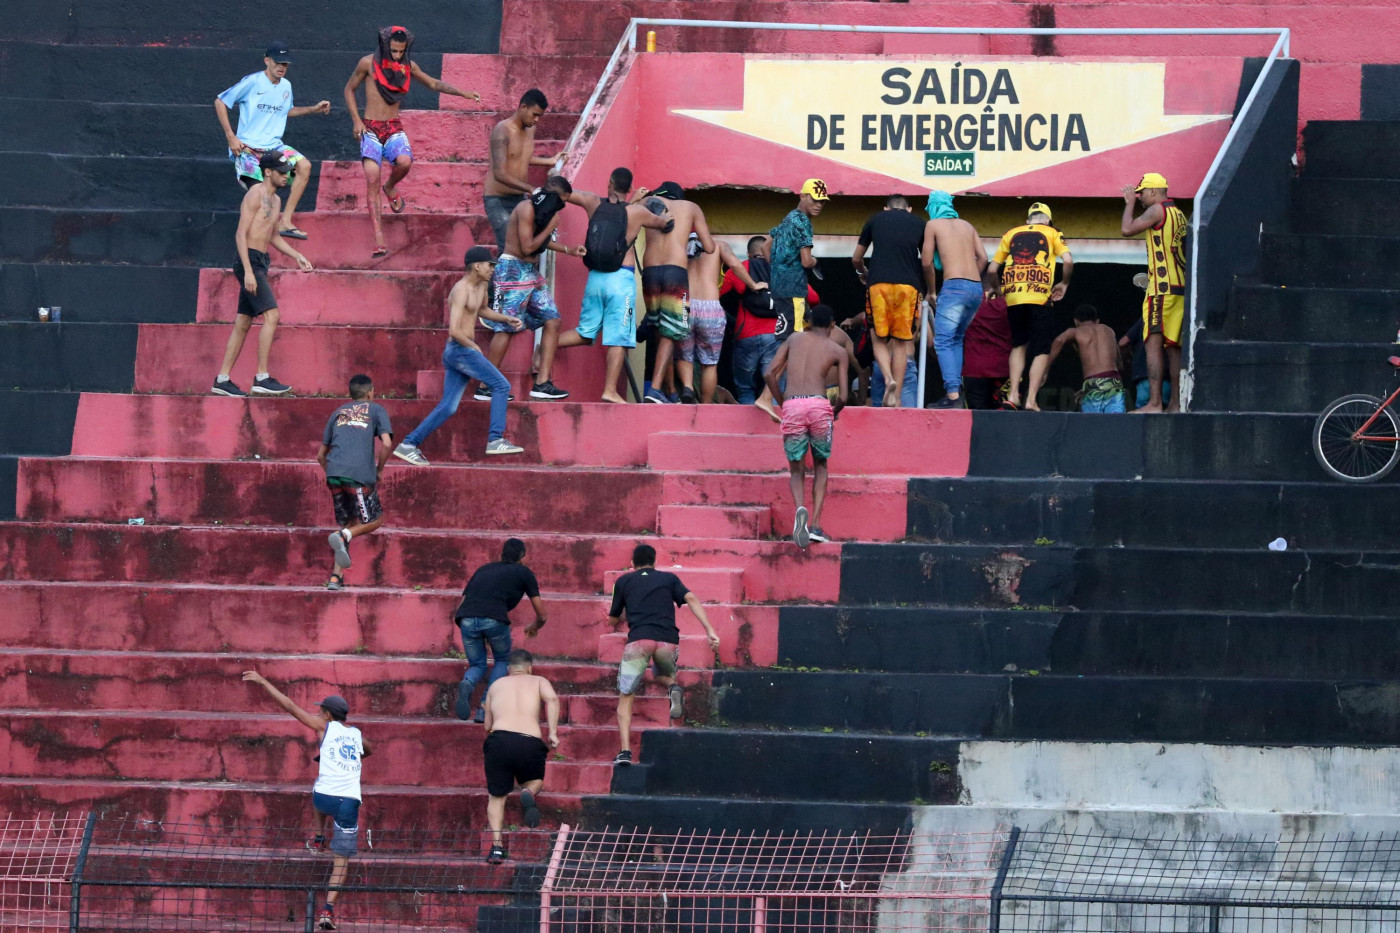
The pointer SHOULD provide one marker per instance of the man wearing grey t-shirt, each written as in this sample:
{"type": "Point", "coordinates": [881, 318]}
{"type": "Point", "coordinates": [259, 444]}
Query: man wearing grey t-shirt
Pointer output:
{"type": "Point", "coordinates": [354, 462]}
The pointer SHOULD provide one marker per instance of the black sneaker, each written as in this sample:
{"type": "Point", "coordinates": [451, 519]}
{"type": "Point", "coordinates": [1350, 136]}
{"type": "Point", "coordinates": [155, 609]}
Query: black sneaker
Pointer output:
{"type": "Point", "coordinates": [688, 396]}
{"type": "Point", "coordinates": [547, 390]}
{"type": "Point", "coordinates": [270, 386]}
{"type": "Point", "coordinates": [463, 706]}
{"type": "Point", "coordinates": [532, 812]}
{"type": "Point", "coordinates": [483, 394]}
{"type": "Point", "coordinates": [228, 387]}
{"type": "Point", "coordinates": [624, 757]}
{"type": "Point", "coordinates": [497, 855]}
{"type": "Point", "coordinates": [480, 716]}
{"type": "Point", "coordinates": [946, 402]}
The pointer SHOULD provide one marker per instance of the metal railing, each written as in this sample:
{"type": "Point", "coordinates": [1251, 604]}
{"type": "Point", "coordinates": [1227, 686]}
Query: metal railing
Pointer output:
{"type": "Point", "coordinates": [626, 49]}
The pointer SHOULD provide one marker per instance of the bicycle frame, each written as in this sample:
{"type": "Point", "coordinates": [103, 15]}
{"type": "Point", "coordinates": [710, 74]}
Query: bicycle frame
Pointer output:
{"type": "Point", "coordinates": [1361, 434]}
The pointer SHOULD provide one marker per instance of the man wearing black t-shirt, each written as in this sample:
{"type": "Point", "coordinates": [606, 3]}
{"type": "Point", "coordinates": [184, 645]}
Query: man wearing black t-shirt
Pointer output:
{"type": "Point", "coordinates": [895, 281]}
{"type": "Point", "coordinates": [649, 597]}
{"type": "Point", "coordinates": [484, 619]}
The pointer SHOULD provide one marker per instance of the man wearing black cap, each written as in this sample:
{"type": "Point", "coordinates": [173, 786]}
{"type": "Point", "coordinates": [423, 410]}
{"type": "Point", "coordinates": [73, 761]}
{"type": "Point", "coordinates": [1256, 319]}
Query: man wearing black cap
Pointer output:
{"type": "Point", "coordinates": [257, 227]}
{"type": "Point", "coordinates": [264, 102]}
{"type": "Point", "coordinates": [337, 790]}
{"type": "Point", "coordinates": [463, 361]}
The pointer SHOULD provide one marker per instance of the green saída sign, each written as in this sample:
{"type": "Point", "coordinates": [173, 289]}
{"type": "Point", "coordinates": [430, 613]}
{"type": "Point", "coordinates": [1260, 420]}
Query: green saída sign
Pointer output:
{"type": "Point", "coordinates": [950, 163]}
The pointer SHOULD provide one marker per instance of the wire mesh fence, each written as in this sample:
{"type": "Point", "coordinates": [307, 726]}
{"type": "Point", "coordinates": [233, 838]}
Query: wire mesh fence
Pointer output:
{"type": "Point", "coordinates": [37, 860]}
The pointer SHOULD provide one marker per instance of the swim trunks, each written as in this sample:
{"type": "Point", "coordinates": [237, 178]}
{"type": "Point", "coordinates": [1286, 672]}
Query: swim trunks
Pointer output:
{"type": "Point", "coordinates": [384, 141]}
{"type": "Point", "coordinates": [808, 422]}
{"type": "Point", "coordinates": [355, 503]}
{"type": "Point", "coordinates": [636, 655]}
{"type": "Point", "coordinates": [1102, 394]}
{"type": "Point", "coordinates": [511, 758]}
{"type": "Point", "coordinates": [665, 289]}
{"type": "Point", "coordinates": [894, 310]}
{"type": "Point", "coordinates": [520, 292]}
{"type": "Point", "coordinates": [245, 163]}
{"type": "Point", "coordinates": [261, 301]}
{"type": "Point", "coordinates": [702, 344]}
{"type": "Point", "coordinates": [609, 305]}
{"type": "Point", "coordinates": [1163, 314]}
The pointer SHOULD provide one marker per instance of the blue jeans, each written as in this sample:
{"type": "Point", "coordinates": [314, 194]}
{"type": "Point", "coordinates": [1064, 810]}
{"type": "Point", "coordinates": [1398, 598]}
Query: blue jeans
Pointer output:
{"type": "Point", "coordinates": [461, 365]}
{"type": "Point", "coordinates": [908, 392]}
{"type": "Point", "coordinates": [751, 358]}
{"type": "Point", "coordinates": [476, 635]}
{"type": "Point", "coordinates": [958, 301]}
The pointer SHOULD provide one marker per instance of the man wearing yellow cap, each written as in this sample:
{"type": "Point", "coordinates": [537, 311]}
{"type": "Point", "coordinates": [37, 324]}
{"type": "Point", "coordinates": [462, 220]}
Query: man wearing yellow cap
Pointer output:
{"type": "Point", "coordinates": [791, 256]}
{"type": "Point", "coordinates": [1165, 305]}
{"type": "Point", "coordinates": [1028, 253]}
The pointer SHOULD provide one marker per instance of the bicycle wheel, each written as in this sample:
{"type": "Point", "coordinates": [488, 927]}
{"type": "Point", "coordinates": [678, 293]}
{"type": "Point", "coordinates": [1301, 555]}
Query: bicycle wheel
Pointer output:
{"type": "Point", "coordinates": [1349, 460]}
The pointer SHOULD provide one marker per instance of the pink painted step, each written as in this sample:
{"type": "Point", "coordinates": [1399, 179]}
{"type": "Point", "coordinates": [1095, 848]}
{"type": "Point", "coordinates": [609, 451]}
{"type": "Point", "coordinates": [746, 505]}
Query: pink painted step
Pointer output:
{"type": "Point", "coordinates": [695, 651]}
{"type": "Point", "coordinates": [500, 80]}
{"type": "Point", "coordinates": [360, 298]}
{"type": "Point", "coordinates": [575, 372]}
{"type": "Point", "coordinates": [430, 188]}
{"type": "Point", "coordinates": [704, 521]}
{"type": "Point", "coordinates": [719, 453]}
{"type": "Point", "coordinates": [416, 241]}
{"type": "Point", "coordinates": [711, 584]}
{"type": "Point", "coordinates": [461, 130]}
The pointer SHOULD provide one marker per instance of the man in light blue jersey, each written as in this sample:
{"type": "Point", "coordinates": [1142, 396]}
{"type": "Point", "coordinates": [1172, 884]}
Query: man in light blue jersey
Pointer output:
{"type": "Point", "coordinates": [264, 102]}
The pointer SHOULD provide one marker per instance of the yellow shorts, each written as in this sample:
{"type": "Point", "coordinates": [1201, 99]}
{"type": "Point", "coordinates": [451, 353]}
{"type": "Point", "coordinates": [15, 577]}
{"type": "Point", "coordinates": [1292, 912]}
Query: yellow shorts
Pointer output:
{"type": "Point", "coordinates": [894, 310]}
{"type": "Point", "coordinates": [1163, 314]}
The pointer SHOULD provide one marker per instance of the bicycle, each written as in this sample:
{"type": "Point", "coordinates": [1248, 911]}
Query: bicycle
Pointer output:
{"type": "Point", "coordinates": [1357, 438]}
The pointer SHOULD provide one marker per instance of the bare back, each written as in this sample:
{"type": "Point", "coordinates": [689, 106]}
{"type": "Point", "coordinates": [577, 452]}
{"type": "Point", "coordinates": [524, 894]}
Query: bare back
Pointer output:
{"type": "Point", "coordinates": [1098, 348]}
{"type": "Point", "coordinates": [958, 247]}
{"type": "Point", "coordinates": [518, 145]}
{"type": "Point", "coordinates": [810, 356]}
{"type": "Point", "coordinates": [260, 212]}
{"type": "Point", "coordinates": [515, 702]}
{"type": "Point", "coordinates": [668, 249]}
{"type": "Point", "coordinates": [704, 276]}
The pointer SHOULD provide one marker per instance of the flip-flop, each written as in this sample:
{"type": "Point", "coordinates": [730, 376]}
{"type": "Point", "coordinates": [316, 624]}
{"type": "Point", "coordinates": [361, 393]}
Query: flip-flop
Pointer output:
{"type": "Point", "coordinates": [294, 233]}
{"type": "Point", "coordinates": [397, 204]}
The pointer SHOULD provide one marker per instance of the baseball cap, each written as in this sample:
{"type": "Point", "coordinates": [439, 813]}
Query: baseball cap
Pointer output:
{"type": "Point", "coordinates": [277, 51]}
{"type": "Point", "coordinates": [275, 162]}
{"type": "Point", "coordinates": [335, 703]}
{"type": "Point", "coordinates": [478, 254]}
{"type": "Point", "coordinates": [670, 191]}
{"type": "Point", "coordinates": [816, 188]}
{"type": "Point", "coordinates": [1151, 180]}
{"type": "Point", "coordinates": [1040, 207]}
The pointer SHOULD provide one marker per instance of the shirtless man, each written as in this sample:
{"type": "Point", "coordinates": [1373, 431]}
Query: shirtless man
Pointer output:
{"type": "Point", "coordinates": [389, 72]}
{"type": "Point", "coordinates": [702, 344]}
{"type": "Point", "coordinates": [666, 278]}
{"type": "Point", "coordinates": [257, 227]}
{"type": "Point", "coordinates": [463, 361]}
{"type": "Point", "coordinates": [609, 298]}
{"type": "Point", "coordinates": [1098, 354]}
{"type": "Point", "coordinates": [809, 418]}
{"type": "Point", "coordinates": [959, 250]}
{"type": "Point", "coordinates": [522, 300]}
{"type": "Point", "coordinates": [512, 154]}
{"type": "Point", "coordinates": [515, 751]}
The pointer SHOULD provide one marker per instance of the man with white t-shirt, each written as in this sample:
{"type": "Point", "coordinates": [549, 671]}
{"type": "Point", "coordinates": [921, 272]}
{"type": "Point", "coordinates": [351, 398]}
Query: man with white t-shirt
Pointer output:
{"type": "Point", "coordinates": [337, 790]}
{"type": "Point", "coordinates": [264, 102]}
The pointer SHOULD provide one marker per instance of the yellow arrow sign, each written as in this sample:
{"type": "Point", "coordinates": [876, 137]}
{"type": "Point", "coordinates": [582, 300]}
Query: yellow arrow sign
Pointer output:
{"type": "Point", "coordinates": [971, 122]}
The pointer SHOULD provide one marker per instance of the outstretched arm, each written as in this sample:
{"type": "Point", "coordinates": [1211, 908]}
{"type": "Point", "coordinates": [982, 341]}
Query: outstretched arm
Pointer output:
{"type": "Point", "coordinates": [314, 723]}
{"type": "Point", "coordinates": [1068, 337]}
{"type": "Point", "coordinates": [440, 87]}
{"type": "Point", "coordinates": [693, 602]}
{"type": "Point", "coordinates": [534, 627]}
{"type": "Point", "coordinates": [736, 265]}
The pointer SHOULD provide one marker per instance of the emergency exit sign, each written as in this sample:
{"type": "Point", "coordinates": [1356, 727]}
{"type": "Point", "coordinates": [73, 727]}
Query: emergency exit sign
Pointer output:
{"type": "Point", "coordinates": [950, 163]}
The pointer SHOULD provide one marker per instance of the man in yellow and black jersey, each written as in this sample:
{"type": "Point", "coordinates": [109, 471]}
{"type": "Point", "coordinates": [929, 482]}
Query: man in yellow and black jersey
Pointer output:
{"type": "Point", "coordinates": [1023, 271]}
{"type": "Point", "coordinates": [1165, 305]}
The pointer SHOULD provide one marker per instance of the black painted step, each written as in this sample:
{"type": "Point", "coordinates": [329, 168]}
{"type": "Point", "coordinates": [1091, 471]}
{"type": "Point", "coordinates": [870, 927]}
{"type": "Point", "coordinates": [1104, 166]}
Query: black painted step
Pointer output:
{"type": "Point", "coordinates": [795, 766]}
{"type": "Point", "coordinates": [1193, 446]}
{"type": "Point", "coordinates": [1348, 206]}
{"type": "Point", "coordinates": [1154, 513]}
{"type": "Point", "coordinates": [467, 26]}
{"type": "Point", "coordinates": [1050, 707]}
{"type": "Point", "coordinates": [102, 293]}
{"type": "Point", "coordinates": [990, 641]}
{"type": "Point", "coordinates": [182, 75]}
{"type": "Point", "coordinates": [1312, 315]}
{"type": "Point", "coordinates": [148, 130]}
{"type": "Point", "coordinates": [1315, 259]}
{"type": "Point", "coordinates": [1254, 376]}
{"type": "Point", "coordinates": [154, 238]}
{"type": "Point", "coordinates": [670, 814]}
{"type": "Point", "coordinates": [72, 357]}
{"type": "Point", "coordinates": [36, 424]}
{"type": "Point", "coordinates": [99, 182]}
{"type": "Point", "coordinates": [1055, 577]}
{"type": "Point", "coordinates": [1352, 149]}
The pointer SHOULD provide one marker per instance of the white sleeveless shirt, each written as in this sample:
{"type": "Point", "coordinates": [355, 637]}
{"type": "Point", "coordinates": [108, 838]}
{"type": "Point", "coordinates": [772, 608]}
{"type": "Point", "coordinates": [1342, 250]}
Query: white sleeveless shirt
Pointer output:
{"type": "Point", "coordinates": [341, 751]}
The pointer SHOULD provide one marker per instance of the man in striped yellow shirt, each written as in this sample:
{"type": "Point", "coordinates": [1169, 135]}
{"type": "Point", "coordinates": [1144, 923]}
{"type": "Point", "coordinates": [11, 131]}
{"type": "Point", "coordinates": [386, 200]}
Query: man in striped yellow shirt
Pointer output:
{"type": "Point", "coordinates": [1164, 307]}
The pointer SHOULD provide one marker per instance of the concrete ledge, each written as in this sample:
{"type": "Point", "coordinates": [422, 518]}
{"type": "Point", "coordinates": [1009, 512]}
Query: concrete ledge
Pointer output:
{"type": "Point", "coordinates": [65, 357]}
{"type": "Point", "coordinates": [99, 293]}
{"type": "Point", "coordinates": [669, 814]}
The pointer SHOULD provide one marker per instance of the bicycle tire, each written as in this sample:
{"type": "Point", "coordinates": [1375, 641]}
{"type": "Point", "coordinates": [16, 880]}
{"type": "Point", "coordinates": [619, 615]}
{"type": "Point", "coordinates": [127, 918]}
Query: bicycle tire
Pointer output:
{"type": "Point", "coordinates": [1351, 461]}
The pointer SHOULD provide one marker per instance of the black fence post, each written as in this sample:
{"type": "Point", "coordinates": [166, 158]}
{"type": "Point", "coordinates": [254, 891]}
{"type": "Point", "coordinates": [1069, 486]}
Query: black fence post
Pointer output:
{"type": "Point", "coordinates": [310, 911]}
{"type": "Point", "coordinates": [1215, 918]}
{"type": "Point", "coordinates": [994, 913]}
{"type": "Point", "coordinates": [75, 903]}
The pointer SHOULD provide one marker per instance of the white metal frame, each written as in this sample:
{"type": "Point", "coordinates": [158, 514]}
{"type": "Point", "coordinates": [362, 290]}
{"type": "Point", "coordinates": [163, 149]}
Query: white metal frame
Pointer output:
{"type": "Point", "coordinates": [627, 46]}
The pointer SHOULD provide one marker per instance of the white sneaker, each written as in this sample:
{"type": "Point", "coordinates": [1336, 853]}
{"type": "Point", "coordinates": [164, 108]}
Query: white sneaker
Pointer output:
{"type": "Point", "coordinates": [503, 446]}
{"type": "Point", "coordinates": [410, 453]}
{"type": "Point", "coordinates": [801, 536]}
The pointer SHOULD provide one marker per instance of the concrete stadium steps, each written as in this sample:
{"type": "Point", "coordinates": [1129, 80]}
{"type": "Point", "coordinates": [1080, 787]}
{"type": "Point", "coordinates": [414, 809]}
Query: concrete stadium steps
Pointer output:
{"type": "Point", "coordinates": [773, 571]}
{"type": "Point", "coordinates": [1160, 643]}
{"type": "Point", "coordinates": [220, 804]}
{"type": "Point", "coordinates": [714, 522]}
{"type": "Point", "coordinates": [1056, 577]}
{"type": "Point", "coordinates": [460, 132]}
{"type": "Point", "coordinates": [413, 624]}
{"type": "Point", "coordinates": [354, 297]}
{"type": "Point", "coordinates": [430, 188]}
{"type": "Point", "coordinates": [1341, 206]}
{"type": "Point", "coordinates": [1152, 513]}
{"type": "Point", "coordinates": [1360, 149]}
{"type": "Point", "coordinates": [626, 807]}
{"type": "Point", "coordinates": [99, 293]}
{"type": "Point", "coordinates": [567, 80]}
{"type": "Point", "coordinates": [1255, 376]}
{"type": "Point", "coordinates": [1311, 315]}
{"type": "Point", "coordinates": [1328, 260]}
{"type": "Point", "coordinates": [69, 357]}
{"type": "Point", "coordinates": [1052, 707]}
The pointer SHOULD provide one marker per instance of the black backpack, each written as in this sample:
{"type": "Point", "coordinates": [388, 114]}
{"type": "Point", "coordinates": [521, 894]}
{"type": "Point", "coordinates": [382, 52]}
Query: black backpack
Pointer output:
{"type": "Point", "coordinates": [759, 302]}
{"type": "Point", "coordinates": [606, 240]}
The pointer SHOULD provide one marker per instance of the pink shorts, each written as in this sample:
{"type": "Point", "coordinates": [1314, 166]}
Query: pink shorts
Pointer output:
{"type": "Point", "coordinates": [807, 423]}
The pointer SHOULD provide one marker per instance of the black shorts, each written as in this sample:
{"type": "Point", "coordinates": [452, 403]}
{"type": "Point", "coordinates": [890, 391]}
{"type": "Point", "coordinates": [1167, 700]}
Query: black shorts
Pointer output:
{"type": "Point", "coordinates": [1032, 326]}
{"type": "Point", "coordinates": [354, 504]}
{"type": "Point", "coordinates": [512, 758]}
{"type": "Point", "coordinates": [264, 300]}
